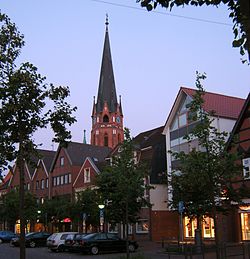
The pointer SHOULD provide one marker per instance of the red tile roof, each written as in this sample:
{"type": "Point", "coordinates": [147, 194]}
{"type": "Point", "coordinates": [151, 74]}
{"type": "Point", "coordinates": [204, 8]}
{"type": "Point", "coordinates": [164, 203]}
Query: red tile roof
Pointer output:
{"type": "Point", "coordinates": [222, 105]}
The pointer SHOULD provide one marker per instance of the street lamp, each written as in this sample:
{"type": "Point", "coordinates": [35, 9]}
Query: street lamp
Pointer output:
{"type": "Point", "coordinates": [101, 209]}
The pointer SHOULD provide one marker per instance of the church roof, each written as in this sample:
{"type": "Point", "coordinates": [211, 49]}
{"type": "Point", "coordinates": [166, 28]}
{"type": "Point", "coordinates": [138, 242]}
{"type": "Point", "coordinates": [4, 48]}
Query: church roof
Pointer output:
{"type": "Point", "coordinates": [106, 90]}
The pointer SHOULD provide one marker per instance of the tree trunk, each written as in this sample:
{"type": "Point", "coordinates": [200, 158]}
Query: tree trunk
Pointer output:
{"type": "Point", "coordinates": [126, 226]}
{"type": "Point", "coordinates": [21, 207]}
{"type": "Point", "coordinates": [198, 236]}
{"type": "Point", "coordinates": [217, 241]}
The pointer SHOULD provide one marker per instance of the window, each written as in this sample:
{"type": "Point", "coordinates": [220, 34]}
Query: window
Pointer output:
{"type": "Point", "coordinates": [105, 118]}
{"type": "Point", "coordinates": [42, 184]}
{"type": "Point", "coordinates": [62, 179]}
{"type": "Point", "coordinates": [182, 119]}
{"type": "Point", "coordinates": [113, 227]}
{"type": "Point", "coordinates": [28, 186]}
{"type": "Point", "coordinates": [114, 131]}
{"type": "Point", "coordinates": [142, 226]}
{"type": "Point", "coordinates": [69, 178]}
{"type": "Point", "coordinates": [106, 140]}
{"type": "Point", "coordinates": [54, 181]}
{"type": "Point", "coordinates": [47, 183]}
{"type": "Point", "coordinates": [86, 175]}
{"type": "Point", "coordinates": [58, 180]}
{"type": "Point", "coordinates": [246, 167]}
{"type": "Point", "coordinates": [61, 161]}
{"type": "Point", "coordinates": [37, 185]}
{"type": "Point", "coordinates": [66, 178]}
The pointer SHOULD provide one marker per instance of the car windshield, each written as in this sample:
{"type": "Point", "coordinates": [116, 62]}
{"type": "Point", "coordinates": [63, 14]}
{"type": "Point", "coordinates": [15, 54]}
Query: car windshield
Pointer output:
{"type": "Point", "coordinates": [30, 234]}
{"type": "Point", "coordinates": [53, 236]}
{"type": "Point", "coordinates": [89, 236]}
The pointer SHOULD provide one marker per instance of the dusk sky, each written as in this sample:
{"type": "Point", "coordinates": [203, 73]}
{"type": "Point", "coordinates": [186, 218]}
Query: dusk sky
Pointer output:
{"type": "Point", "coordinates": [153, 54]}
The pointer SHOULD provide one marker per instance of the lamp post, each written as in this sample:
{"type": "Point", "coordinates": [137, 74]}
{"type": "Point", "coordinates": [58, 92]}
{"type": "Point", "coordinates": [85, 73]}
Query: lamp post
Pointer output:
{"type": "Point", "coordinates": [101, 210]}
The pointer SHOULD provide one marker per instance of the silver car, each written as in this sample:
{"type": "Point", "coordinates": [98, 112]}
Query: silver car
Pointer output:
{"type": "Point", "coordinates": [57, 240]}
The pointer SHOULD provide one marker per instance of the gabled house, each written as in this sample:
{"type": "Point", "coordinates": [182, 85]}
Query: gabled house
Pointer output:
{"type": "Point", "coordinates": [40, 175]}
{"type": "Point", "coordinates": [226, 110]}
{"type": "Point", "coordinates": [69, 164]}
{"type": "Point", "coordinates": [86, 176]}
{"type": "Point", "coordinates": [238, 222]}
{"type": "Point", "coordinates": [150, 149]}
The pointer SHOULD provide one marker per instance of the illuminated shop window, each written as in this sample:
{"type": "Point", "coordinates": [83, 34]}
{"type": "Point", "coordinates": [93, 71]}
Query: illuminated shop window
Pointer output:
{"type": "Point", "coordinates": [207, 226]}
{"type": "Point", "coordinates": [245, 225]}
{"type": "Point", "coordinates": [142, 226]}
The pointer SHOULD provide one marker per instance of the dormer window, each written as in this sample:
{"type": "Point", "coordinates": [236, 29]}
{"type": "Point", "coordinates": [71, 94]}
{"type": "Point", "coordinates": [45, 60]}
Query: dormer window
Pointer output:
{"type": "Point", "coordinates": [105, 118]}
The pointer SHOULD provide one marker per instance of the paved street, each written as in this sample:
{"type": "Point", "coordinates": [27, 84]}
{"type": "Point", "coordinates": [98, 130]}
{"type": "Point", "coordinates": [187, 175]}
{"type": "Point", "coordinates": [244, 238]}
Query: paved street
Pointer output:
{"type": "Point", "coordinates": [150, 250]}
{"type": "Point", "coordinates": [10, 252]}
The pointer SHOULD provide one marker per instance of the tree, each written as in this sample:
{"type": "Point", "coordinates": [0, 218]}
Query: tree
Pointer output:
{"type": "Point", "coordinates": [204, 179]}
{"type": "Point", "coordinates": [122, 186]}
{"type": "Point", "coordinates": [86, 208]}
{"type": "Point", "coordinates": [10, 207]}
{"type": "Point", "coordinates": [239, 11]}
{"type": "Point", "coordinates": [27, 103]}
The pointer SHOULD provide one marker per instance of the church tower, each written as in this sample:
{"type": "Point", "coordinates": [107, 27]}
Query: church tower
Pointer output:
{"type": "Point", "coordinates": [107, 116]}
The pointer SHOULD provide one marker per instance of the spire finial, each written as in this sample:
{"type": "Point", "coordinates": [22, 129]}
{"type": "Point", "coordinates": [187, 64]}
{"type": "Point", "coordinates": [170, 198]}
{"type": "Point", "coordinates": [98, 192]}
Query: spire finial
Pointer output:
{"type": "Point", "coordinates": [107, 21]}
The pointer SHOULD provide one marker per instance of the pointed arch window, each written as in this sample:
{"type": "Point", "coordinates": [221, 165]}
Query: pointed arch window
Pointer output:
{"type": "Point", "coordinates": [105, 118]}
{"type": "Point", "coordinates": [106, 140]}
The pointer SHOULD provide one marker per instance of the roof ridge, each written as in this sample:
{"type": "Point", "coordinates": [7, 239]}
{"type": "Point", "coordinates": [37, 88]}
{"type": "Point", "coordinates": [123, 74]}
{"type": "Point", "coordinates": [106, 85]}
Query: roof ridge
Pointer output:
{"type": "Point", "coordinates": [207, 92]}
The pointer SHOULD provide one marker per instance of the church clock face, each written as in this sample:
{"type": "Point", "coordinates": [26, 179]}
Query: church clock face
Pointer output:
{"type": "Point", "coordinates": [118, 120]}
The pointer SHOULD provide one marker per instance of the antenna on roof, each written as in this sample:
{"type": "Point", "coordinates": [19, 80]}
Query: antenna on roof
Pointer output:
{"type": "Point", "coordinates": [84, 137]}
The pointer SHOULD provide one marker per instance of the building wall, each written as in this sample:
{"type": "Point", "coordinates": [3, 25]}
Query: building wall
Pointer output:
{"type": "Point", "coordinates": [164, 225]}
{"type": "Point", "coordinates": [158, 197]}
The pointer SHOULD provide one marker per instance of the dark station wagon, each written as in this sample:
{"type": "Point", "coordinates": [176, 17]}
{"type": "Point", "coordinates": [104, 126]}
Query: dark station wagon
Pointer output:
{"type": "Point", "coordinates": [99, 242]}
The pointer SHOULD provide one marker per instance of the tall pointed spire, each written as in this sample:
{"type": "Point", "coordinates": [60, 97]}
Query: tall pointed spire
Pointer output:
{"type": "Point", "coordinates": [107, 117]}
{"type": "Point", "coordinates": [106, 90]}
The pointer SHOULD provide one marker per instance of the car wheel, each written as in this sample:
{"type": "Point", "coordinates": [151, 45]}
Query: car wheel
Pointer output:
{"type": "Point", "coordinates": [131, 248]}
{"type": "Point", "coordinates": [60, 248]}
{"type": "Point", "coordinates": [32, 244]}
{"type": "Point", "coordinates": [94, 250]}
{"type": "Point", "coordinates": [1, 240]}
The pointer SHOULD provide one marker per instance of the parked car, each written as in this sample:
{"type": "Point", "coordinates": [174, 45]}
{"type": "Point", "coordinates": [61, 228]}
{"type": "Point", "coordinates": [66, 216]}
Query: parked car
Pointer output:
{"type": "Point", "coordinates": [100, 242]}
{"type": "Point", "coordinates": [32, 239]}
{"type": "Point", "coordinates": [6, 236]}
{"type": "Point", "coordinates": [56, 242]}
{"type": "Point", "coordinates": [73, 242]}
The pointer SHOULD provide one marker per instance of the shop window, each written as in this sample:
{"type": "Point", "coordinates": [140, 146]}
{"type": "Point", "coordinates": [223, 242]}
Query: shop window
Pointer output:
{"type": "Point", "coordinates": [246, 167]}
{"type": "Point", "coordinates": [86, 175]}
{"type": "Point", "coordinates": [208, 227]}
{"type": "Point", "coordinates": [245, 225]}
{"type": "Point", "coordinates": [142, 226]}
